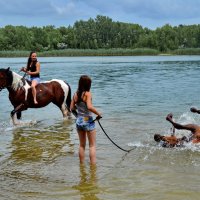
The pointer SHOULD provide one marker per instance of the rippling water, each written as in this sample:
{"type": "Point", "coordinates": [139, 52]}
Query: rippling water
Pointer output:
{"type": "Point", "coordinates": [40, 161]}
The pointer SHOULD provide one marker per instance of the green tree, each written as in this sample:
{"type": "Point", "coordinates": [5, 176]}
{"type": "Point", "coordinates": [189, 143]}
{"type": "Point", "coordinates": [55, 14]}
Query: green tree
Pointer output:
{"type": "Point", "coordinates": [39, 39]}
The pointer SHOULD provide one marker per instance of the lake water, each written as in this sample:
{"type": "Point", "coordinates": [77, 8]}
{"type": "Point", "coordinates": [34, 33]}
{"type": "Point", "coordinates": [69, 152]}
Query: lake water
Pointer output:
{"type": "Point", "coordinates": [134, 95]}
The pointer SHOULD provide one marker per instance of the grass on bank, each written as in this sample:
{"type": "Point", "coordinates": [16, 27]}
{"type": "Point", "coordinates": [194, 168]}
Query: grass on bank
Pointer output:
{"type": "Point", "coordinates": [100, 52]}
{"type": "Point", "coordinates": [189, 51]}
{"type": "Point", "coordinates": [82, 52]}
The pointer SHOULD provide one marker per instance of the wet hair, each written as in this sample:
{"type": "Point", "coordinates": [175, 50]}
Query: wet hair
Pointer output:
{"type": "Point", "coordinates": [30, 60]}
{"type": "Point", "coordinates": [84, 85]}
{"type": "Point", "coordinates": [157, 137]}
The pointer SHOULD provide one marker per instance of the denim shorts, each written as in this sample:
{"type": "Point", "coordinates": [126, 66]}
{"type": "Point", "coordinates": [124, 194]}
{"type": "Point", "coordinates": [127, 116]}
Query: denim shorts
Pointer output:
{"type": "Point", "coordinates": [85, 123]}
{"type": "Point", "coordinates": [35, 79]}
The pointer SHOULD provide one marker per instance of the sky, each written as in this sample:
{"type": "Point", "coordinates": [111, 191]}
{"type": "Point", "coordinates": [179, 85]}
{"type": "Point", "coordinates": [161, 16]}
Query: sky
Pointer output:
{"type": "Point", "coordinates": [147, 13]}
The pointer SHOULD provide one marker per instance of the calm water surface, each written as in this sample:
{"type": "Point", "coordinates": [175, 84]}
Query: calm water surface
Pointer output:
{"type": "Point", "coordinates": [134, 94]}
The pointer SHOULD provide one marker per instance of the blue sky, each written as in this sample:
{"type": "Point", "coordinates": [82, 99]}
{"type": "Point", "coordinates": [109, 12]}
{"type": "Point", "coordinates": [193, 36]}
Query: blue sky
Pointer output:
{"type": "Point", "coordinates": [148, 13]}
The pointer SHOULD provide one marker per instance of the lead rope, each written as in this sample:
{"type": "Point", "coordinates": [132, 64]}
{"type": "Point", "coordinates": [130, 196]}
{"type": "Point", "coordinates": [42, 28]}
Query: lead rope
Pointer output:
{"type": "Point", "coordinates": [97, 119]}
{"type": "Point", "coordinates": [111, 139]}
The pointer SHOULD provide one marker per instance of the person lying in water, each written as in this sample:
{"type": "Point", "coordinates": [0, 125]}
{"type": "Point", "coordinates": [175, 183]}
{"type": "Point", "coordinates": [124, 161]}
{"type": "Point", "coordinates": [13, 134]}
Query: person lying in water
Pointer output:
{"type": "Point", "coordinates": [172, 141]}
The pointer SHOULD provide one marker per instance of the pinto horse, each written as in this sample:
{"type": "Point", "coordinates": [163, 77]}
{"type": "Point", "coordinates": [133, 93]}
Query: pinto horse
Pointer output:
{"type": "Point", "coordinates": [56, 91]}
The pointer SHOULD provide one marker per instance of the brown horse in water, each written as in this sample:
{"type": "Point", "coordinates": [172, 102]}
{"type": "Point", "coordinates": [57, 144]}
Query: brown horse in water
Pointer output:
{"type": "Point", "coordinates": [20, 94]}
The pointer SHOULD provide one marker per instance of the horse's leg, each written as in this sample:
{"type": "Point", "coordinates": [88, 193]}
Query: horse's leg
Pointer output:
{"type": "Point", "coordinates": [14, 117]}
{"type": "Point", "coordinates": [15, 112]}
{"type": "Point", "coordinates": [62, 97]}
{"type": "Point", "coordinates": [19, 115]}
{"type": "Point", "coordinates": [64, 111]}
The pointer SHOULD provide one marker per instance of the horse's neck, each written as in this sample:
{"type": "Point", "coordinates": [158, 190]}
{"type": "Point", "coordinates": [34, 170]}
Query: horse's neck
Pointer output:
{"type": "Point", "coordinates": [17, 81]}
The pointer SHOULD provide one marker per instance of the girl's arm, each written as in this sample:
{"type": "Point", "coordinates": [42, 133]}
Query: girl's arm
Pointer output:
{"type": "Point", "coordinates": [89, 104]}
{"type": "Point", "coordinates": [72, 105]}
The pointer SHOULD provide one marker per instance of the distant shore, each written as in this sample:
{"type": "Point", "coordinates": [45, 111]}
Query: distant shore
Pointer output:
{"type": "Point", "coordinates": [101, 52]}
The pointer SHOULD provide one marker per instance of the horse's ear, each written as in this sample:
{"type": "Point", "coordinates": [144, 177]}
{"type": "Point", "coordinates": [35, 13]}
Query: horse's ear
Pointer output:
{"type": "Point", "coordinates": [8, 69]}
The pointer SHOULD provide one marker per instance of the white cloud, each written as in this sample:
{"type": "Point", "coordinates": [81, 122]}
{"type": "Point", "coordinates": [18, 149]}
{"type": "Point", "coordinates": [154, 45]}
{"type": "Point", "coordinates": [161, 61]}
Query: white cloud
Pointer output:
{"type": "Point", "coordinates": [63, 8]}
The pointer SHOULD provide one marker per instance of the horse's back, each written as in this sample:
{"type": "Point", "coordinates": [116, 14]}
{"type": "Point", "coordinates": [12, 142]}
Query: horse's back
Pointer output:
{"type": "Point", "coordinates": [56, 84]}
{"type": "Point", "coordinates": [57, 87]}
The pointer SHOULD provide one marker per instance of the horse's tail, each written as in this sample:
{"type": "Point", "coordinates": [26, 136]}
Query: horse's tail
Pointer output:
{"type": "Point", "coordinates": [68, 100]}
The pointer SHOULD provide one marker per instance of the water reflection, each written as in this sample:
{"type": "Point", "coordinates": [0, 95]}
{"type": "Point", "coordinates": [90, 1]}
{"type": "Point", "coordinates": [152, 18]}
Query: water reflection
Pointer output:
{"type": "Point", "coordinates": [88, 183]}
{"type": "Point", "coordinates": [40, 143]}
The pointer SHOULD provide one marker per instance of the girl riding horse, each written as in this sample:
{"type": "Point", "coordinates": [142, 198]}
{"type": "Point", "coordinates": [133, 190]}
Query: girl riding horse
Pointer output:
{"type": "Point", "coordinates": [20, 93]}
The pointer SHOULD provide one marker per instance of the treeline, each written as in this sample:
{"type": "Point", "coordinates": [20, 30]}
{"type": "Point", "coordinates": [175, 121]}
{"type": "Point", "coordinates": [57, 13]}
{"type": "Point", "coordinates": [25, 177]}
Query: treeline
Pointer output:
{"type": "Point", "coordinates": [99, 33]}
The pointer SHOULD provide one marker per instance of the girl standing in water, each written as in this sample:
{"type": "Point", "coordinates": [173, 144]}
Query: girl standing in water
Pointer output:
{"type": "Point", "coordinates": [82, 102]}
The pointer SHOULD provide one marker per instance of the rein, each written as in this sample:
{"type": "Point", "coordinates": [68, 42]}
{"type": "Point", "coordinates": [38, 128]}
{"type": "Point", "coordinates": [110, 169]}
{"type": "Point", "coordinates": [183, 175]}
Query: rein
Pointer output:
{"type": "Point", "coordinates": [25, 74]}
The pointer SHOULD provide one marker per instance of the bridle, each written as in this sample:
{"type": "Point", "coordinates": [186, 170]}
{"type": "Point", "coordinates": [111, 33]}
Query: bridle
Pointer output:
{"type": "Point", "coordinates": [2, 87]}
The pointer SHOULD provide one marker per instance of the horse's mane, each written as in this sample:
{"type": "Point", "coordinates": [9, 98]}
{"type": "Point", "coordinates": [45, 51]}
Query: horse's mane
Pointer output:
{"type": "Point", "coordinates": [17, 81]}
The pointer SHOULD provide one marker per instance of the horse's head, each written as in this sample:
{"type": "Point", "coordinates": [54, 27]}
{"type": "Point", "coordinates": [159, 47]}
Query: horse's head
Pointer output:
{"type": "Point", "coordinates": [6, 78]}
